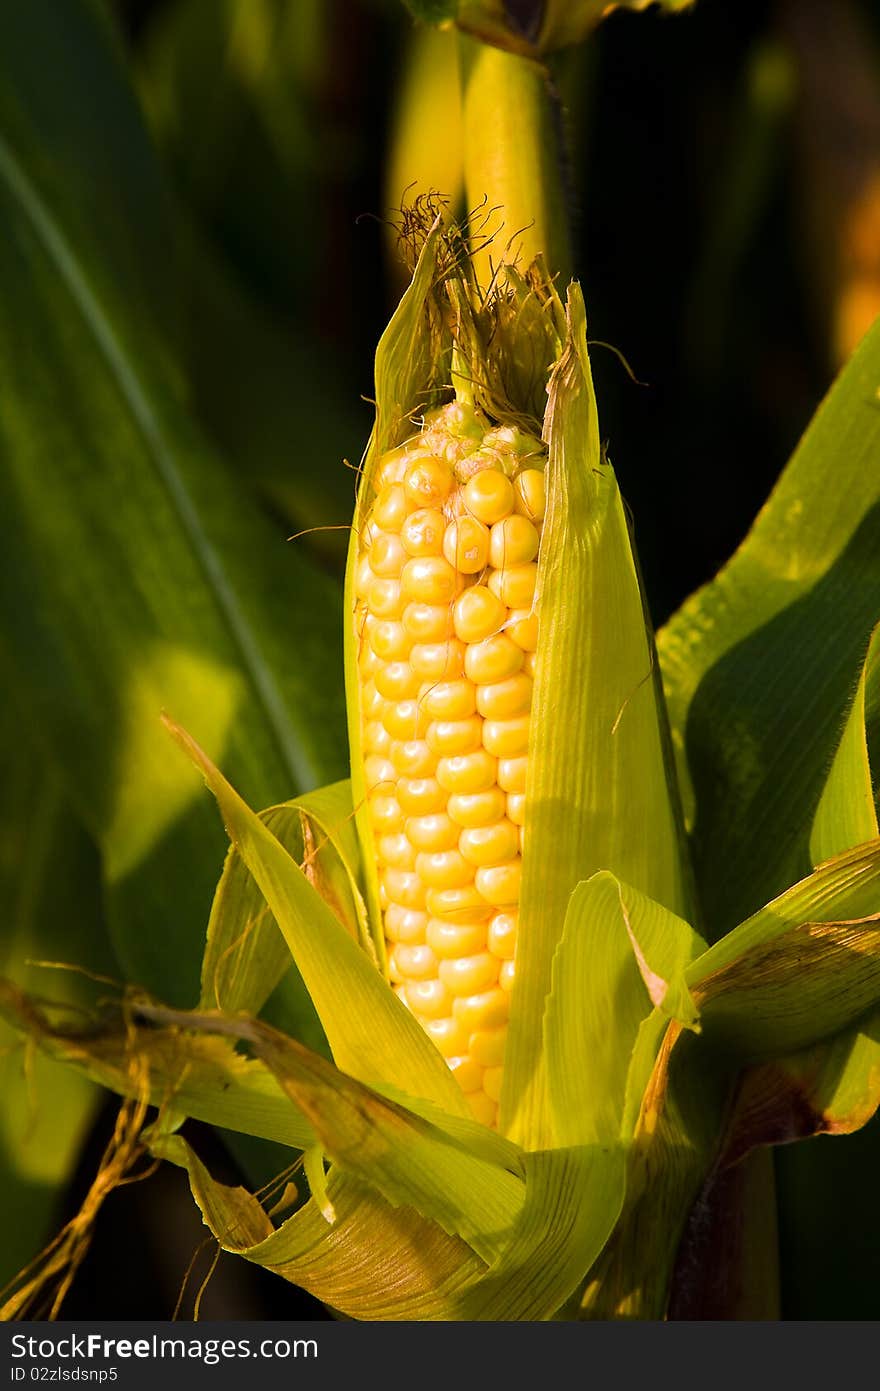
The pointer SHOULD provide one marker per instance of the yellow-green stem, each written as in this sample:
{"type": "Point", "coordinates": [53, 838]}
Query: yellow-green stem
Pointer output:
{"type": "Point", "coordinates": [513, 160]}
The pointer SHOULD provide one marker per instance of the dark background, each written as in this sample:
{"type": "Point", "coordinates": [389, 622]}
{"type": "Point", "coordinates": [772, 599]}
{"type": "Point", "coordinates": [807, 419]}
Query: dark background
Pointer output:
{"type": "Point", "coordinates": [721, 165]}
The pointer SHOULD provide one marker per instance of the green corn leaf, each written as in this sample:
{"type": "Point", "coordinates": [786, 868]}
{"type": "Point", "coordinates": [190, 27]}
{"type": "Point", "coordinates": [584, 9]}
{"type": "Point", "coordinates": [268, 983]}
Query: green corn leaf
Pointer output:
{"type": "Point", "coordinates": [137, 573]}
{"type": "Point", "coordinates": [760, 664]}
{"type": "Point", "coordinates": [374, 1262]}
{"type": "Point", "coordinates": [846, 814]}
{"type": "Point", "coordinates": [599, 798]}
{"type": "Point", "coordinates": [49, 886]}
{"type": "Point", "coordinates": [371, 1034]}
{"type": "Point", "coordinates": [246, 957]}
{"type": "Point", "coordinates": [620, 955]}
{"type": "Point", "coordinates": [184, 1073]}
{"type": "Point", "coordinates": [801, 970]}
{"type": "Point", "coordinates": [573, 1199]}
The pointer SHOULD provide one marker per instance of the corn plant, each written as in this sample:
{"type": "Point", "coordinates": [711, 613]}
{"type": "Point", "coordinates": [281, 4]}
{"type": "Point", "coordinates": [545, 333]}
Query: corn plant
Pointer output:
{"type": "Point", "coordinates": [594, 921]}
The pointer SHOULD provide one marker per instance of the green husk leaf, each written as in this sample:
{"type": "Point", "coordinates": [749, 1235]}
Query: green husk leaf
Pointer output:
{"type": "Point", "coordinates": [800, 970]}
{"type": "Point", "coordinates": [600, 797]}
{"type": "Point", "coordinates": [846, 814]}
{"type": "Point", "coordinates": [183, 1073]}
{"type": "Point", "coordinates": [620, 956]}
{"type": "Point", "coordinates": [371, 1034]}
{"type": "Point", "coordinates": [760, 665]}
{"type": "Point", "coordinates": [573, 1199]}
{"type": "Point", "coordinates": [375, 1262]}
{"type": "Point", "coordinates": [246, 956]}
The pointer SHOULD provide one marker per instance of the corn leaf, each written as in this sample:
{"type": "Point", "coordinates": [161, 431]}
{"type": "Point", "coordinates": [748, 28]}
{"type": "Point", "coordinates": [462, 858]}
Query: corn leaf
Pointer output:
{"type": "Point", "coordinates": [184, 1073]}
{"type": "Point", "coordinates": [246, 956]}
{"type": "Point", "coordinates": [45, 861]}
{"type": "Point", "coordinates": [760, 664]}
{"type": "Point", "coordinates": [599, 798]}
{"type": "Point", "coordinates": [137, 574]}
{"type": "Point", "coordinates": [374, 1262]}
{"type": "Point", "coordinates": [573, 1199]}
{"type": "Point", "coordinates": [371, 1034]}
{"type": "Point", "coordinates": [620, 955]}
{"type": "Point", "coordinates": [846, 814]}
{"type": "Point", "coordinates": [799, 971]}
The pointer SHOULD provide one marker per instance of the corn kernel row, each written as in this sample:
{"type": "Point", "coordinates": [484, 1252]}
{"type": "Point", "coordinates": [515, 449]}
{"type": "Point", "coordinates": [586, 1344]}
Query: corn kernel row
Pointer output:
{"type": "Point", "coordinates": [445, 612]}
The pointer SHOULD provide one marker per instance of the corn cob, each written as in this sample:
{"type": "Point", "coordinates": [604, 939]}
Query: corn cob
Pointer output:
{"type": "Point", "coordinates": [447, 625]}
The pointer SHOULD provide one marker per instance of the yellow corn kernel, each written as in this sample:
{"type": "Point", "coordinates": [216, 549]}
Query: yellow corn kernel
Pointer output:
{"type": "Point", "coordinates": [389, 509]}
{"type": "Point", "coordinates": [515, 585]}
{"type": "Point", "coordinates": [489, 845]}
{"type": "Point", "coordinates": [397, 681]}
{"type": "Point", "coordinates": [502, 699]}
{"type": "Point", "coordinates": [512, 773]}
{"type": "Point", "coordinates": [397, 851]}
{"type": "Point", "coordinates": [484, 1011]}
{"type": "Point", "coordinates": [407, 925]}
{"type": "Point", "coordinates": [499, 884]}
{"type": "Point", "coordinates": [385, 812]}
{"type": "Point", "coordinates": [378, 740]}
{"type": "Point", "coordinates": [466, 545]}
{"type": "Point", "coordinates": [438, 661]}
{"type": "Point", "coordinates": [449, 1036]}
{"type": "Point", "coordinates": [486, 1046]}
{"type": "Point", "coordinates": [501, 937]}
{"type": "Point", "coordinates": [522, 628]}
{"type": "Point", "coordinates": [513, 541]}
{"type": "Point", "coordinates": [505, 975]}
{"type": "Point", "coordinates": [403, 886]}
{"type": "Point", "coordinates": [478, 614]}
{"type": "Point", "coordinates": [416, 962]}
{"type": "Point", "coordinates": [450, 940]}
{"type": "Point", "coordinates": [444, 869]}
{"type": "Point", "coordinates": [431, 999]}
{"type": "Point", "coordinates": [379, 773]}
{"type": "Point", "coordinates": [491, 1082]}
{"type": "Point", "coordinates": [450, 700]}
{"type": "Point", "coordinates": [506, 738]}
{"type": "Point", "coordinates": [468, 772]}
{"type": "Point", "coordinates": [413, 758]}
{"type": "Point", "coordinates": [435, 832]}
{"type": "Point", "coordinates": [428, 622]}
{"type": "Point", "coordinates": [387, 556]}
{"type": "Point", "coordinates": [468, 975]}
{"type": "Point", "coordinates": [516, 807]}
{"type": "Point", "coordinates": [429, 579]}
{"type": "Point", "coordinates": [448, 737]}
{"type": "Point", "coordinates": [404, 719]}
{"type": "Point", "coordinates": [530, 494]}
{"type": "Point", "coordinates": [489, 496]}
{"type": "Point", "coordinates": [423, 531]}
{"type": "Point", "coordinates": [468, 1074]}
{"type": "Point", "coordinates": [469, 809]}
{"type": "Point", "coordinates": [492, 660]}
{"type": "Point", "coordinates": [388, 639]}
{"type": "Point", "coordinates": [373, 702]}
{"type": "Point", "coordinates": [483, 1110]}
{"type": "Point", "coordinates": [420, 796]}
{"type": "Point", "coordinates": [458, 905]}
{"type": "Point", "coordinates": [385, 598]}
{"type": "Point", "coordinates": [428, 482]}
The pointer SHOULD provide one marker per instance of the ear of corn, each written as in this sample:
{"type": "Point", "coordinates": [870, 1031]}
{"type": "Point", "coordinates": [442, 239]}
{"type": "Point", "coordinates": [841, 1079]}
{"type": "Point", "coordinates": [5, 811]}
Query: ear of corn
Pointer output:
{"type": "Point", "coordinates": [499, 672]}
